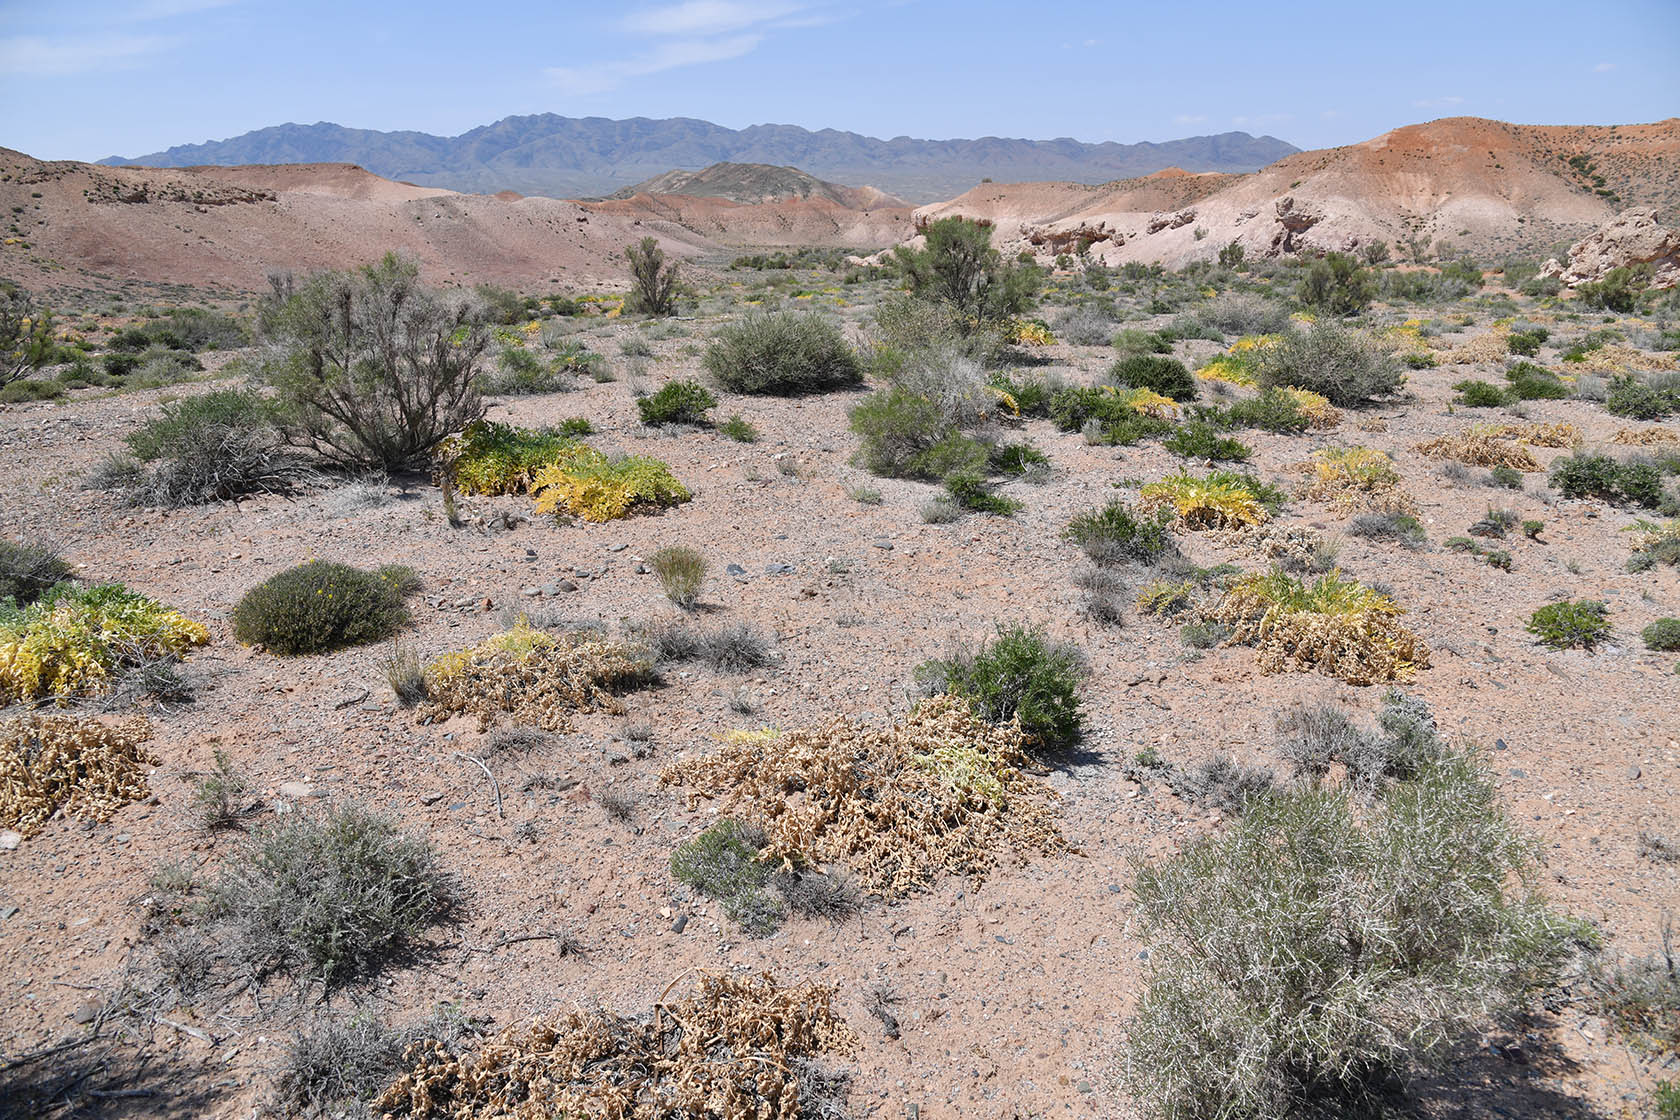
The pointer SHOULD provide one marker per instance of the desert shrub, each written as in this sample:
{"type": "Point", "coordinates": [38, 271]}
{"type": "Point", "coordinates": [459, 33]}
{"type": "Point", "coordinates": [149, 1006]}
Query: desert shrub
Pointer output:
{"type": "Point", "coordinates": [1479, 394]}
{"type": "Point", "coordinates": [1029, 394]}
{"type": "Point", "coordinates": [1221, 783]}
{"type": "Point", "coordinates": [782, 354]}
{"type": "Point", "coordinates": [537, 677]}
{"type": "Point", "coordinates": [1197, 439]}
{"type": "Point", "coordinates": [1589, 475]}
{"type": "Point", "coordinates": [1663, 634]}
{"type": "Point", "coordinates": [1131, 342]}
{"type": "Point", "coordinates": [654, 284]}
{"type": "Point", "coordinates": [322, 606]}
{"type": "Point", "coordinates": [905, 325]}
{"type": "Point", "coordinates": [29, 569]}
{"type": "Point", "coordinates": [1618, 290]}
{"type": "Point", "coordinates": [814, 894]}
{"type": "Point", "coordinates": [969, 490]}
{"type": "Point", "coordinates": [903, 434]}
{"type": "Point", "coordinates": [1221, 500]}
{"type": "Point", "coordinates": [681, 572]}
{"type": "Point", "coordinates": [1117, 534]}
{"type": "Point", "coordinates": [1400, 528]}
{"type": "Point", "coordinates": [1527, 343]}
{"type": "Point", "coordinates": [208, 448]}
{"type": "Point", "coordinates": [372, 369]}
{"type": "Point", "coordinates": [1346, 367]}
{"type": "Point", "coordinates": [1308, 950]}
{"type": "Point", "coordinates": [332, 896]}
{"type": "Point", "coordinates": [334, 1069]}
{"type": "Point", "coordinates": [1089, 324]}
{"type": "Point", "coordinates": [219, 797]}
{"type": "Point", "coordinates": [1639, 400]}
{"type": "Point", "coordinates": [1110, 416]}
{"type": "Point", "coordinates": [1273, 410]}
{"type": "Point", "coordinates": [1336, 285]}
{"type": "Point", "coordinates": [1020, 459]}
{"type": "Point", "coordinates": [738, 429]}
{"type": "Point", "coordinates": [1243, 313]}
{"type": "Point", "coordinates": [1357, 479]}
{"type": "Point", "coordinates": [1020, 674]}
{"type": "Point", "coordinates": [954, 382]}
{"type": "Point", "coordinates": [1335, 626]}
{"type": "Point", "coordinates": [677, 402]}
{"type": "Point", "coordinates": [74, 640]}
{"type": "Point", "coordinates": [1571, 625]}
{"type": "Point", "coordinates": [1313, 737]}
{"type": "Point", "coordinates": [490, 457]}
{"type": "Point", "coordinates": [520, 372]}
{"type": "Point", "coordinates": [82, 767]}
{"type": "Point", "coordinates": [27, 391]}
{"type": "Point", "coordinates": [1530, 382]}
{"type": "Point", "coordinates": [1657, 544]}
{"type": "Point", "coordinates": [26, 333]}
{"type": "Point", "coordinates": [958, 266]}
{"type": "Point", "coordinates": [723, 864]}
{"type": "Point", "coordinates": [582, 482]}
{"type": "Point", "coordinates": [1164, 375]}
{"type": "Point", "coordinates": [735, 648]}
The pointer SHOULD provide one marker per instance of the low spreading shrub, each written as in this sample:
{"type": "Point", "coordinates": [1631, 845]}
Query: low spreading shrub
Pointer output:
{"type": "Point", "coordinates": [1335, 626]}
{"type": "Point", "coordinates": [1479, 394]}
{"type": "Point", "coordinates": [332, 897]}
{"type": "Point", "coordinates": [322, 606]}
{"type": "Point", "coordinates": [208, 448]}
{"type": "Point", "coordinates": [1663, 634]}
{"type": "Point", "coordinates": [1641, 400]}
{"type": "Point", "coordinates": [677, 402]}
{"type": "Point", "coordinates": [29, 569]}
{"type": "Point", "coordinates": [782, 354]}
{"type": "Point", "coordinates": [1656, 544]}
{"type": "Point", "coordinates": [1197, 439]}
{"type": "Point", "coordinates": [1160, 374]}
{"type": "Point", "coordinates": [723, 864]}
{"type": "Point", "coordinates": [903, 434]}
{"type": "Point", "coordinates": [1272, 410]}
{"type": "Point", "coordinates": [1117, 534]}
{"type": "Point", "coordinates": [1589, 475]}
{"type": "Point", "coordinates": [490, 457]}
{"type": "Point", "coordinates": [536, 677]}
{"type": "Point", "coordinates": [1571, 625]}
{"type": "Point", "coordinates": [584, 483]}
{"type": "Point", "coordinates": [76, 640]}
{"type": "Point", "coordinates": [1221, 500]}
{"type": "Point", "coordinates": [1020, 674]}
{"type": "Point", "coordinates": [1357, 479]}
{"type": "Point", "coordinates": [1400, 528]}
{"type": "Point", "coordinates": [1530, 382]}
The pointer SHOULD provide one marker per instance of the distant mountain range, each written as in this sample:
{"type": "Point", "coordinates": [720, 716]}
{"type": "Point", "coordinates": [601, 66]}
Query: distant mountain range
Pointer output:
{"type": "Point", "coordinates": [577, 157]}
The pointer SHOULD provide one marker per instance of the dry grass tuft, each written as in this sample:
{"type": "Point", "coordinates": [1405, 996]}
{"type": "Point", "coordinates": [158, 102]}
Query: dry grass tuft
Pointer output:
{"type": "Point", "coordinates": [1538, 435]}
{"type": "Point", "coordinates": [536, 677]}
{"type": "Point", "coordinates": [1357, 480]}
{"type": "Point", "coordinates": [738, 1048]}
{"type": "Point", "coordinates": [86, 768]}
{"type": "Point", "coordinates": [1645, 437]}
{"type": "Point", "coordinates": [938, 792]}
{"type": "Point", "coordinates": [1334, 626]}
{"type": "Point", "coordinates": [1481, 448]}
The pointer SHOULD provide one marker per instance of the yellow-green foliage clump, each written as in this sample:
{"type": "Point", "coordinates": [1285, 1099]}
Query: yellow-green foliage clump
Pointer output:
{"type": "Point", "coordinates": [1316, 407]}
{"type": "Point", "coordinates": [74, 640]}
{"type": "Point", "coordinates": [1025, 332]}
{"type": "Point", "coordinates": [1357, 480]}
{"type": "Point", "coordinates": [1222, 500]}
{"type": "Point", "coordinates": [1231, 369]}
{"type": "Point", "coordinates": [86, 768]}
{"type": "Point", "coordinates": [492, 458]}
{"type": "Point", "coordinates": [1334, 625]}
{"type": "Point", "coordinates": [941, 791]}
{"type": "Point", "coordinates": [1147, 402]}
{"type": "Point", "coordinates": [582, 482]}
{"type": "Point", "coordinates": [535, 676]}
{"type": "Point", "coordinates": [738, 1047]}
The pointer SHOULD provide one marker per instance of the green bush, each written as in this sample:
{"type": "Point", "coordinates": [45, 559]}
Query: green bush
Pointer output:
{"type": "Point", "coordinates": [1637, 400]}
{"type": "Point", "coordinates": [1350, 369]}
{"type": "Point", "coordinates": [723, 864]}
{"type": "Point", "coordinates": [1164, 375]}
{"type": "Point", "coordinates": [1617, 291]}
{"type": "Point", "coordinates": [29, 569]}
{"type": "Point", "coordinates": [1530, 382]}
{"type": "Point", "coordinates": [1197, 439]}
{"type": "Point", "coordinates": [1308, 951]}
{"type": "Point", "coordinates": [678, 402]}
{"type": "Point", "coordinates": [681, 573]}
{"type": "Point", "coordinates": [373, 368]}
{"type": "Point", "coordinates": [334, 896]}
{"type": "Point", "coordinates": [207, 448]}
{"type": "Point", "coordinates": [1117, 534]}
{"type": "Point", "coordinates": [1578, 625]}
{"type": "Point", "coordinates": [29, 390]}
{"type": "Point", "coordinates": [1020, 673]}
{"type": "Point", "coordinates": [958, 266]}
{"type": "Point", "coordinates": [903, 434]}
{"type": "Point", "coordinates": [783, 354]}
{"type": "Point", "coordinates": [738, 429]}
{"type": "Point", "coordinates": [26, 333]}
{"type": "Point", "coordinates": [1336, 285]}
{"type": "Point", "coordinates": [1587, 475]}
{"type": "Point", "coordinates": [521, 372]}
{"type": "Point", "coordinates": [1526, 343]}
{"type": "Point", "coordinates": [1113, 419]}
{"type": "Point", "coordinates": [322, 606]}
{"type": "Point", "coordinates": [1663, 634]}
{"type": "Point", "coordinates": [970, 491]}
{"type": "Point", "coordinates": [1018, 459]}
{"type": "Point", "coordinates": [1479, 394]}
{"type": "Point", "coordinates": [1272, 410]}
{"type": "Point", "coordinates": [1131, 341]}
{"type": "Point", "coordinates": [654, 284]}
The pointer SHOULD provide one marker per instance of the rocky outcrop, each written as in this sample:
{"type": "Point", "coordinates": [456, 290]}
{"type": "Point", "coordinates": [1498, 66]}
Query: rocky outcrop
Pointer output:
{"type": "Point", "coordinates": [1633, 238]}
{"type": "Point", "coordinates": [1293, 219]}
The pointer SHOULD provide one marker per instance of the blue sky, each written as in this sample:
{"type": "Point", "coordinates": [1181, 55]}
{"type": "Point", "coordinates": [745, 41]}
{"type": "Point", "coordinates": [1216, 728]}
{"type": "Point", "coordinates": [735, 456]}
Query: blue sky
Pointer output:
{"type": "Point", "coordinates": [84, 79]}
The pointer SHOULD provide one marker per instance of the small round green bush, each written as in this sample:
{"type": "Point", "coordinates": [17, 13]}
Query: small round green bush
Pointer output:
{"type": "Point", "coordinates": [321, 606]}
{"type": "Point", "coordinates": [679, 402]}
{"type": "Point", "coordinates": [1479, 394]}
{"type": "Point", "coordinates": [1350, 368]}
{"type": "Point", "coordinates": [1164, 375]}
{"type": "Point", "coordinates": [1578, 625]}
{"type": "Point", "coordinates": [29, 569]}
{"type": "Point", "coordinates": [1663, 634]}
{"type": "Point", "coordinates": [785, 353]}
{"type": "Point", "coordinates": [1021, 673]}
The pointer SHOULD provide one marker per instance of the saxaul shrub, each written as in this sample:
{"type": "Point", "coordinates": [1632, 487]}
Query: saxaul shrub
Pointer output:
{"type": "Point", "coordinates": [1347, 367]}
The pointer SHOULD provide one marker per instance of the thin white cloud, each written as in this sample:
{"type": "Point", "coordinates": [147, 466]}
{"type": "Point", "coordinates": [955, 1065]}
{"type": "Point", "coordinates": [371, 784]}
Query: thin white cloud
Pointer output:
{"type": "Point", "coordinates": [1604, 68]}
{"type": "Point", "coordinates": [603, 76]}
{"type": "Point", "coordinates": [1437, 102]}
{"type": "Point", "coordinates": [1190, 118]}
{"type": "Point", "coordinates": [708, 17]}
{"type": "Point", "coordinates": [34, 56]}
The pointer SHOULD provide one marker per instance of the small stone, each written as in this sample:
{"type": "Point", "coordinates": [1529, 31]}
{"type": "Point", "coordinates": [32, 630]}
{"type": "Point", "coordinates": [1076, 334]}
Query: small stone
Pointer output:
{"type": "Point", "coordinates": [297, 791]}
{"type": "Point", "coordinates": [1633, 773]}
{"type": "Point", "coordinates": [617, 547]}
{"type": "Point", "coordinates": [121, 838]}
{"type": "Point", "coordinates": [680, 924]}
{"type": "Point", "coordinates": [6, 913]}
{"type": "Point", "coordinates": [430, 798]}
{"type": "Point", "coordinates": [531, 592]}
{"type": "Point", "coordinates": [10, 840]}
{"type": "Point", "coordinates": [87, 1011]}
{"type": "Point", "coordinates": [567, 585]}
{"type": "Point", "coordinates": [1499, 745]}
{"type": "Point", "coordinates": [887, 545]}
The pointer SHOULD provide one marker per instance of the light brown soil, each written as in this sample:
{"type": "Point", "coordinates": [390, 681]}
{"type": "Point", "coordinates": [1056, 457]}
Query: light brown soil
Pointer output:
{"type": "Point", "coordinates": [1012, 991]}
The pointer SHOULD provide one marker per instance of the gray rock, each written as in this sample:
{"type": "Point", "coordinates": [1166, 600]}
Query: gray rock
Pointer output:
{"type": "Point", "coordinates": [617, 547]}
{"type": "Point", "coordinates": [1633, 773]}
{"type": "Point", "coordinates": [297, 791]}
{"type": "Point", "coordinates": [887, 545]}
{"type": "Point", "coordinates": [734, 570]}
{"type": "Point", "coordinates": [531, 592]}
{"type": "Point", "coordinates": [778, 569]}
{"type": "Point", "coordinates": [10, 840]}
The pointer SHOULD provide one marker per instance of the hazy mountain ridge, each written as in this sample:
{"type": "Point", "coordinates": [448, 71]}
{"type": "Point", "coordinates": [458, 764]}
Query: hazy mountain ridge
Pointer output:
{"type": "Point", "coordinates": [547, 154]}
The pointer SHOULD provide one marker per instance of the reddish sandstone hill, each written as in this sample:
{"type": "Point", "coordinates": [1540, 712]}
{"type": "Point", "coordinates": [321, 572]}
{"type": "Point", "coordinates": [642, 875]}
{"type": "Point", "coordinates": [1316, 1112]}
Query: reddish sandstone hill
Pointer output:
{"type": "Point", "coordinates": [1477, 185]}
{"type": "Point", "coordinates": [81, 225]}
